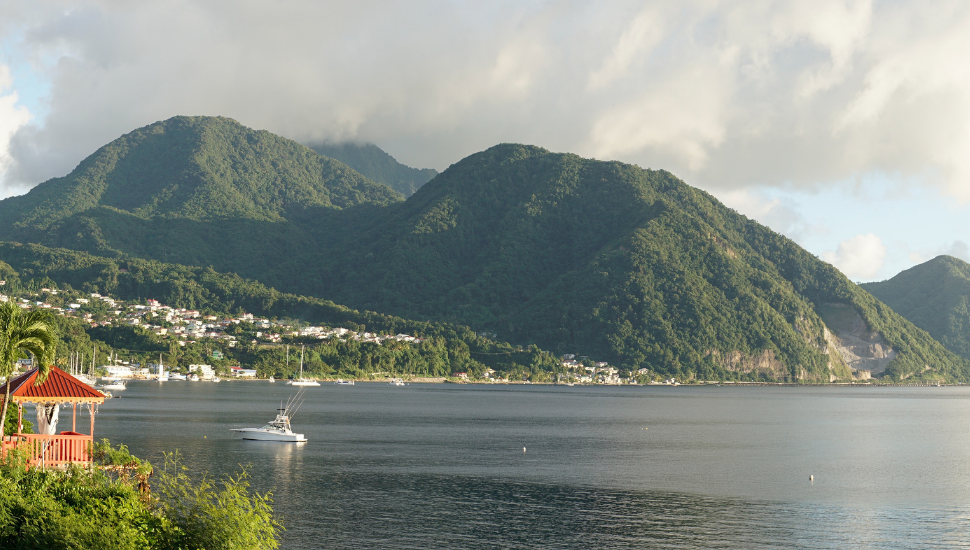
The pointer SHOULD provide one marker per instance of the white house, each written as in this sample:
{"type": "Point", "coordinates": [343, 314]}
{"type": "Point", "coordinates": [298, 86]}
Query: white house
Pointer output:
{"type": "Point", "coordinates": [205, 372]}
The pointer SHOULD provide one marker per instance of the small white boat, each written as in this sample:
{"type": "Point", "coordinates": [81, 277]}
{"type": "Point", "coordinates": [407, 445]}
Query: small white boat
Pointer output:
{"type": "Point", "coordinates": [176, 376]}
{"type": "Point", "coordinates": [278, 429]}
{"type": "Point", "coordinates": [193, 378]}
{"type": "Point", "coordinates": [271, 380]}
{"type": "Point", "coordinates": [302, 381]}
{"type": "Point", "coordinates": [342, 382]}
{"type": "Point", "coordinates": [397, 382]}
{"type": "Point", "coordinates": [114, 385]}
{"type": "Point", "coordinates": [216, 379]}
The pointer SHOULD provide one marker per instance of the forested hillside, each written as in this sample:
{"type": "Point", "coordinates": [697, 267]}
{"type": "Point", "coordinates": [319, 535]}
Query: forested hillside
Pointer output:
{"type": "Point", "coordinates": [448, 348]}
{"type": "Point", "coordinates": [373, 162]}
{"type": "Point", "coordinates": [193, 190]}
{"type": "Point", "coordinates": [935, 296]}
{"type": "Point", "coordinates": [620, 262]}
{"type": "Point", "coordinates": [602, 259]}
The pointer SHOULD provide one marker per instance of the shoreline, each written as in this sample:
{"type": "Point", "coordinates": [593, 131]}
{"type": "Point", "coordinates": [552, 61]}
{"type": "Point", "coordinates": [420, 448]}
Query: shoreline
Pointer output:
{"type": "Point", "coordinates": [446, 380]}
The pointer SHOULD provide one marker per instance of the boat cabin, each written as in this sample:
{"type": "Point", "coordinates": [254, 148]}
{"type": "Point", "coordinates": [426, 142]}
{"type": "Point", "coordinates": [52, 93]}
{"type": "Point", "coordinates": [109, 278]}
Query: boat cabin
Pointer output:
{"type": "Point", "coordinates": [48, 447]}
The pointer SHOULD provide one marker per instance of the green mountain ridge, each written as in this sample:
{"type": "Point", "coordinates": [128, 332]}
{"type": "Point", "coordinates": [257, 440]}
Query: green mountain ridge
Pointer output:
{"type": "Point", "coordinates": [575, 255]}
{"type": "Point", "coordinates": [628, 264]}
{"type": "Point", "coordinates": [374, 163]}
{"type": "Point", "coordinates": [197, 168]}
{"type": "Point", "coordinates": [935, 296]}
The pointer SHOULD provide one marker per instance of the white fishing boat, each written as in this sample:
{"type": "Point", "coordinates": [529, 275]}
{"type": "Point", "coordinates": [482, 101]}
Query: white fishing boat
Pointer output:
{"type": "Point", "coordinates": [193, 378]}
{"type": "Point", "coordinates": [176, 376]}
{"type": "Point", "coordinates": [342, 382]}
{"type": "Point", "coordinates": [278, 429]}
{"type": "Point", "coordinates": [216, 379]}
{"type": "Point", "coordinates": [114, 385]}
{"type": "Point", "coordinates": [397, 382]}
{"type": "Point", "coordinates": [302, 381]}
{"type": "Point", "coordinates": [271, 380]}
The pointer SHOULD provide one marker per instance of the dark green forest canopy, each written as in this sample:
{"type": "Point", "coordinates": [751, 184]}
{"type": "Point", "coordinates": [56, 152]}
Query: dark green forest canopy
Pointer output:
{"type": "Point", "coordinates": [371, 161]}
{"type": "Point", "coordinates": [935, 296]}
{"type": "Point", "coordinates": [575, 255]}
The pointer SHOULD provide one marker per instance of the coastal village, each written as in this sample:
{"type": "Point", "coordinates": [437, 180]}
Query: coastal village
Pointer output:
{"type": "Point", "coordinates": [187, 326]}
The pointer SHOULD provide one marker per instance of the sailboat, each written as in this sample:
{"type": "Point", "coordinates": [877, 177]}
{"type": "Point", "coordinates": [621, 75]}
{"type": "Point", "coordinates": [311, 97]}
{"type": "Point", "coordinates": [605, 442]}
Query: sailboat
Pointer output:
{"type": "Point", "coordinates": [162, 375]}
{"type": "Point", "coordinates": [302, 381]}
{"type": "Point", "coordinates": [77, 365]}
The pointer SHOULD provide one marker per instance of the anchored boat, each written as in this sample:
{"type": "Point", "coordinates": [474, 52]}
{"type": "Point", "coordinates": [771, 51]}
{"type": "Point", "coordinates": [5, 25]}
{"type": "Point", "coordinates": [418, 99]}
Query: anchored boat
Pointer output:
{"type": "Point", "coordinates": [278, 429]}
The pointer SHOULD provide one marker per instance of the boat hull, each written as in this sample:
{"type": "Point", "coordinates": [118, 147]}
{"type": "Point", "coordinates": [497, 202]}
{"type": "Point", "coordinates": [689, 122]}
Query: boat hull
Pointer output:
{"type": "Point", "coordinates": [256, 434]}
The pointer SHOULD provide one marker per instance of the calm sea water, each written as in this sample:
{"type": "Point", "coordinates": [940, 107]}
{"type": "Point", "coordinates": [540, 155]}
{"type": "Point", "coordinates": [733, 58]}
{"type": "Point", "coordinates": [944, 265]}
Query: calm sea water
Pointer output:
{"type": "Point", "coordinates": [442, 466]}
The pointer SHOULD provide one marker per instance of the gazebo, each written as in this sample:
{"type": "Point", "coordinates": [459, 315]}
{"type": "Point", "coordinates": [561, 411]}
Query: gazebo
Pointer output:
{"type": "Point", "coordinates": [47, 447]}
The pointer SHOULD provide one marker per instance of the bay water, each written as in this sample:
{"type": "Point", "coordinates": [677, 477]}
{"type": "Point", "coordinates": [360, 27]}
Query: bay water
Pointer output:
{"type": "Point", "coordinates": [483, 466]}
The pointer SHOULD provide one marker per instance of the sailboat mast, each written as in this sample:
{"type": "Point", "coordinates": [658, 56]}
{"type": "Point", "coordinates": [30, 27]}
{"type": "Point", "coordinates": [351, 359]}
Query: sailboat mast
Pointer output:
{"type": "Point", "coordinates": [302, 347]}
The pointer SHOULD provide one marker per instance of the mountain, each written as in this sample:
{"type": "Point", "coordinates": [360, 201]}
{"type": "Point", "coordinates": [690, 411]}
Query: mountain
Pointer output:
{"type": "Point", "coordinates": [935, 296]}
{"type": "Point", "coordinates": [610, 260]}
{"type": "Point", "coordinates": [575, 255]}
{"type": "Point", "coordinates": [373, 162]}
{"type": "Point", "coordinates": [201, 190]}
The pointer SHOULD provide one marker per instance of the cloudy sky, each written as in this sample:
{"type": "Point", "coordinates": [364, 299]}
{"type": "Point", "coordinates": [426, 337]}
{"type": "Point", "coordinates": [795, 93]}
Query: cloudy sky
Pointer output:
{"type": "Point", "coordinates": [844, 125]}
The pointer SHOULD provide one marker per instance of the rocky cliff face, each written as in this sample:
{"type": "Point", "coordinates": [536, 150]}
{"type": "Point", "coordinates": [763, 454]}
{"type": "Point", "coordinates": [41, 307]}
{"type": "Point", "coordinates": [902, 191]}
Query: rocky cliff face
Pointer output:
{"type": "Point", "coordinates": [848, 335]}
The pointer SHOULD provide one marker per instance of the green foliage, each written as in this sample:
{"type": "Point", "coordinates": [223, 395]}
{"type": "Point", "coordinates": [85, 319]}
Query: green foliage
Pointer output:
{"type": "Point", "coordinates": [214, 515]}
{"type": "Point", "coordinates": [10, 424]}
{"type": "Point", "coordinates": [51, 509]}
{"type": "Point", "coordinates": [935, 296]}
{"type": "Point", "coordinates": [372, 162]}
{"type": "Point", "coordinates": [128, 338]}
{"type": "Point", "coordinates": [110, 507]}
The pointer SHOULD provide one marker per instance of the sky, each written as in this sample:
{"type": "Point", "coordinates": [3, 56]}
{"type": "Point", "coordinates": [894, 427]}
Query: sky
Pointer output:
{"type": "Point", "coordinates": [843, 125]}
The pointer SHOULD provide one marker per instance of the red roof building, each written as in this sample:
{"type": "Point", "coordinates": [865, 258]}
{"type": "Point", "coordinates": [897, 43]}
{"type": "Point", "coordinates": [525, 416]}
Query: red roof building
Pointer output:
{"type": "Point", "coordinates": [59, 388]}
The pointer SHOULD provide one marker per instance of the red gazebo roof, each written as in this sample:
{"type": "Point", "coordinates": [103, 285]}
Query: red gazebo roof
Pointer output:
{"type": "Point", "coordinates": [59, 387]}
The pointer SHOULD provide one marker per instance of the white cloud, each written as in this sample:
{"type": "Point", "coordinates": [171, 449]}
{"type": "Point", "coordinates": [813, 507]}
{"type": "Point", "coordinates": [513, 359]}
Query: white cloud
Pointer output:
{"type": "Point", "coordinates": [13, 117]}
{"type": "Point", "coordinates": [728, 95]}
{"type": "Point", "coordinates": [860, 257]}
{"type": "Point", "coordinates": [781, 214]}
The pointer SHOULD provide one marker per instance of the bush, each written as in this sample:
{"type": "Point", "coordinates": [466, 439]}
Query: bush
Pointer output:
{"type": "Point", "coordinates": [111, 507]}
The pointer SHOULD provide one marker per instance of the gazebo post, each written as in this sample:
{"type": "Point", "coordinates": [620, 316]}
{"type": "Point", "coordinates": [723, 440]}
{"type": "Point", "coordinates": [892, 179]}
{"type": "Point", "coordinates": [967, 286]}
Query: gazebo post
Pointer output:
{"type": "Point", "coordinates": [91, 412]}
{"type": "Point", "coordinates": [74, 418]}
{"type": "Point", "coordinates": [20, 418]}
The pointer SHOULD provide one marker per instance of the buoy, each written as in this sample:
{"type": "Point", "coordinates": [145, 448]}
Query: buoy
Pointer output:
{"type": "Point", "coordinates": [811, 478]}
{"type": "Point", "coordinates": [523, 449]}
{"type": "Point", "coordinates": [204, 436]}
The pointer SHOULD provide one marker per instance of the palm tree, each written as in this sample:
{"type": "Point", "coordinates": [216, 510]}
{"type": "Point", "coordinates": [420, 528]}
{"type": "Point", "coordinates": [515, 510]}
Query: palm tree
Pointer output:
{"type": "Point", "coordinates": [24, 331]}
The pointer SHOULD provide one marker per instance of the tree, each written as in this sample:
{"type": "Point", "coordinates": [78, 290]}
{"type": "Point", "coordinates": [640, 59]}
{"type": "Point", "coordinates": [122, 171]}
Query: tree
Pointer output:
{"type": "Point", "coordinates": [24, 331]}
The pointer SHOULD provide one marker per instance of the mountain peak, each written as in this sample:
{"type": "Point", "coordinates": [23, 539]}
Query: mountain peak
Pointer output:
{"type": "Point", "coordinates": [196, 167]}
{"type": "Point", "coordinates": [373, 162]}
